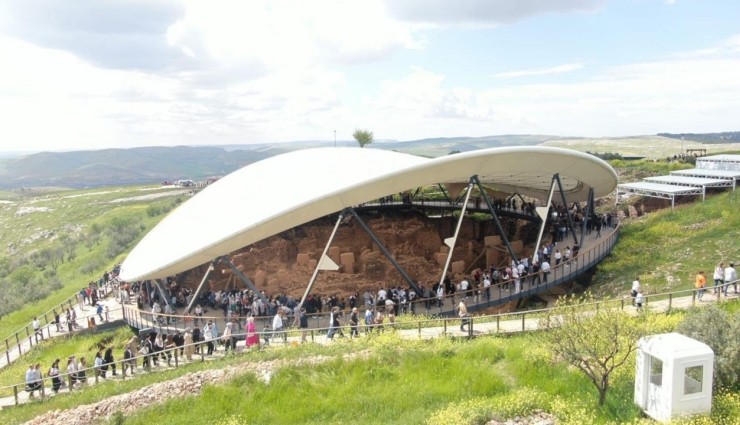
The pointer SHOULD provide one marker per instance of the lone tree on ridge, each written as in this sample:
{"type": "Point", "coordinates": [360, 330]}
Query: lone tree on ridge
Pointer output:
{"type": "Point", "coordinates": [363, 137]}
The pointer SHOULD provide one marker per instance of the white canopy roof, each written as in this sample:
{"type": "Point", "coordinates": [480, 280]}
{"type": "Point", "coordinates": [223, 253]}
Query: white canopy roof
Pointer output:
{"type": "Point", "coordinates": [658, 188]}
{"type": "Point", "coordinates": [689, 181]}
{"type": "Point", "coordinates": [284, 191]}
{"type": "Point", "coordinates": [701, 172]}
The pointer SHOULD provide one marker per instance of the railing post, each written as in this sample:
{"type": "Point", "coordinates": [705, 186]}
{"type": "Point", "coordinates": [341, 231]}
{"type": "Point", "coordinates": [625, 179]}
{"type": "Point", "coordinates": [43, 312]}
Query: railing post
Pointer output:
{"type": "Point", "coordinates": [523, 314]}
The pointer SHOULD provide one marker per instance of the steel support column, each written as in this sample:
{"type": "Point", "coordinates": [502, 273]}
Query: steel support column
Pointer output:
{"type": "Point", "coordinates": [162, 290]}
{"type": "Point", "coordinates": [196, 294]}
{"type": "Point", "coordinates": [385, 251]}
{"type": "Point", "coordinates": [238, 273]}
{"type": "Point", "coordinates": [450, 242]}
{"type": "Point", "coordinates": [324, 262]}
{"type": "Point", "coordinates": [589, 210]}
{"type": "Point", "coordinates": [544, 214]}
{"type": "Point", "coordinates": [492, 210]}
{"type": "Point", "coordinates": [567, 210]}
{"type": "Point", "coordinates": [444, 192]}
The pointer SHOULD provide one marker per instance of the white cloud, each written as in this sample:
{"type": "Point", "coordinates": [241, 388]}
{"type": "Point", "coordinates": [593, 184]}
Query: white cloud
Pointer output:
{"type": "Point", "coordinates": [560, 69]}
{"type": "Point", "coordinates": [490, 12]}
{"type": "Point", "coordinates": [699, 94]}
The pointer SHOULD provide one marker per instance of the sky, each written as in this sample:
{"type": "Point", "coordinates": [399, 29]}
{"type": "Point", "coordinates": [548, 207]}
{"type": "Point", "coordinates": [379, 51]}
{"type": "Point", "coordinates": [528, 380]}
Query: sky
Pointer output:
{"type": "Point", "coordinates": [91, 74]}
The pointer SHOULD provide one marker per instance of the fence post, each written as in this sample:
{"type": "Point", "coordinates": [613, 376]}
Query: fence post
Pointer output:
{"type": "Point", "coordinates": [69, 382]}
{"type": "Point", "coordinates": [693, 297]}
{"type": "Point", "coordinates": [176, 357]}
{"type": "Point", "coordinates": [419, 323]}
{"type": "Point", "coordinates": [444, 332]}
{"type": "Point", "coordinates": [7, 350]}
{"type": "Point", "coordinates": [15, 394]}
{"type": "Point", "coordinates": [43, 389]}
{"type": "Point", "coordinates": [622, 303]}
{"type": "Point", "coordinates": [498, 324]}
{"type": "Point", "coordinates": [523, 321]}
{"type": "Point", "coordinates": [19, 344]}
{"type": "Point", "coordinates": [123, 370]}
{"type": "Point", "coordinates": [670, 301]}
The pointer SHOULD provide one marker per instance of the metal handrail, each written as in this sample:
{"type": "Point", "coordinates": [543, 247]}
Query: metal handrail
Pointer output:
{"type": "Point", "coordinates": [419, 324]}
{"type": "Point", "coordinates": [32, 336]}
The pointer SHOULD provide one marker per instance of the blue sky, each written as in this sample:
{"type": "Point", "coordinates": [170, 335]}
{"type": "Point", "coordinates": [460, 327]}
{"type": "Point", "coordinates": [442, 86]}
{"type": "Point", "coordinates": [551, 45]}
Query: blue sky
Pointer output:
{"type": "Point", "coordinates": [85, 74]}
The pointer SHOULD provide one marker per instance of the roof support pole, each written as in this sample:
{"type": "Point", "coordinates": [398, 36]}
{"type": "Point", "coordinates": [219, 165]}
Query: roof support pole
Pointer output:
{"type": "Point", "coordinates": [324, 263]}
{"type": "Point", "coordinates": [444, 192]}
{"type": "Point", "coordinates": [238, 273]}
{"type": "Point", "coordinates": [589, 210]}
{"type": "Point", "coordinates": [450, 242]}
{"type": "Point", "coordinates": [544, 213]}
{"type": "Point", "coordinates": [162, 292]}
{"type": "Point", "coordinates": [492, 210]}
{"type": "Point", "coordinates": [385, 251]}
{"type": "Point", "coordinates": [196, 294]}
{"type": "Point", "coordinates": [567, 210]}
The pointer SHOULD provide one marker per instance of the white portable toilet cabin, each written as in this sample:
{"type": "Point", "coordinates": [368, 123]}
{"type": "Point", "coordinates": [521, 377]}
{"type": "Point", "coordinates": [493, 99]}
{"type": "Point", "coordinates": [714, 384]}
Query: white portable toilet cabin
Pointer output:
{"type": "Point", "coordinates": [673, 376]}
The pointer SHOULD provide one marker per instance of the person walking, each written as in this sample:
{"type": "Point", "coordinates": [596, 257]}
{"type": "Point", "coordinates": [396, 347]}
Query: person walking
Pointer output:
{"type": "Point", "coordinates": [635, 289]}
{"type": "Point", "coordinates": [462, 312]}
{"type": "Point", "coordinates": [700, 284]}
{"type": "Point", "coordinates": [109, 361]}
{"type": "Point", "coordinates": [730, 277]}
{"type": "Point", "coordinates": [32, 381]}
{"type": "Point", "coordinates": [53, 373]}
{"type": "Point", "coordinates": [354, 321]}
{"type": "Point", "coordinates": [719, 277]}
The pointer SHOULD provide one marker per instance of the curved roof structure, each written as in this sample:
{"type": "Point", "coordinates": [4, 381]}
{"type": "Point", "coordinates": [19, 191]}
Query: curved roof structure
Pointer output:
{"type": "Point", "coordinates": [284, 191]}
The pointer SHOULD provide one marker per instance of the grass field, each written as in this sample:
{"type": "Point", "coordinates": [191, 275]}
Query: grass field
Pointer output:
{"type": "Point", "coordinates": [56, 242]}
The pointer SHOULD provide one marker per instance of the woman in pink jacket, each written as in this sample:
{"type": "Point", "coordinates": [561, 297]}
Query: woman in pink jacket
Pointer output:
{"type": "Point", "coordinates": [253, 337]}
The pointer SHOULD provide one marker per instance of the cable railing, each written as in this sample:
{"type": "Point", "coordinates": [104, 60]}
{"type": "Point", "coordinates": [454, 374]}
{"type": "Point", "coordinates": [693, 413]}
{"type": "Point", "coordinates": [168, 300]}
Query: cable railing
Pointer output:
{"type": "Point", "coordinates": [434, 327]}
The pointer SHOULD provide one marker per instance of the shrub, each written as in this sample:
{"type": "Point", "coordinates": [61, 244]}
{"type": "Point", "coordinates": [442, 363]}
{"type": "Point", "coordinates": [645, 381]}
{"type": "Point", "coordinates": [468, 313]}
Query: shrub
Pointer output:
{"type": "Point", "coordinates": [719, 330]}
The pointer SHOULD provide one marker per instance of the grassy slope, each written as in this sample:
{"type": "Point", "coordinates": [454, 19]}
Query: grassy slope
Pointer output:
{"type": "Point", "coordinates": [70, 213]}
{"type": "Point", "coordinates": [666, 249]}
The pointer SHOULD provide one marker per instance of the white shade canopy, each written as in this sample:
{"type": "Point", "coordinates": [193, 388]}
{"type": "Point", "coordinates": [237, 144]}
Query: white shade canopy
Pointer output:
{"type": "Point", "coordinates": [284, 191]}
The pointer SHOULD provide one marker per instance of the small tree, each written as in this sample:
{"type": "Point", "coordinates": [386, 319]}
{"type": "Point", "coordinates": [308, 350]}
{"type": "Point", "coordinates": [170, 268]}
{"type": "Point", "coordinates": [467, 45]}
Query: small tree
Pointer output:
{"type": "Point", "coordinates": [363, 137]}
{"type": "Point", "coordinates": [595, 342]}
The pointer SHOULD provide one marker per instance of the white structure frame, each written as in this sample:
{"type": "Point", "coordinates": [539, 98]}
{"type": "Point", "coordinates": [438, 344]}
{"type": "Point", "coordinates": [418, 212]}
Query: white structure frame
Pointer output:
{"type": "Point", "coordinates": [658, 190]}
{"type": "Point", "coordinates": [673, 376]}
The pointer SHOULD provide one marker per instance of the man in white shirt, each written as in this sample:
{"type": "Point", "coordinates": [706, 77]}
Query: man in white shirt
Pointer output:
{"type": "Point", "coordinates": [730, 276]}
{"type": "Point", "coordinates": [277, 325]}
{"type": "Point", "coordinates": [487, 286]}
{"type": "Point", "coordinates": [381, 294]}
{"type": "Point", "coordinates": [545, 267]}
{"type": "Point", "coordinates": [464, 287]}
{"type": "Point", "coordinates": [635, 289]}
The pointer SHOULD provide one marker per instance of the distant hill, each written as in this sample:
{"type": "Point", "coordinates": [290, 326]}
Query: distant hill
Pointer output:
{"type": "Point", "coordinates": [121, 166]}
{"type": "Point", "coordinates": [80, 169]}
{"type": "Point", "coordinates": [725, 137]}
